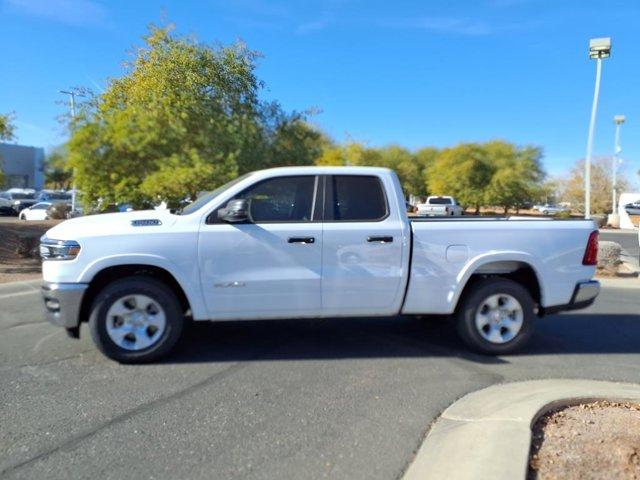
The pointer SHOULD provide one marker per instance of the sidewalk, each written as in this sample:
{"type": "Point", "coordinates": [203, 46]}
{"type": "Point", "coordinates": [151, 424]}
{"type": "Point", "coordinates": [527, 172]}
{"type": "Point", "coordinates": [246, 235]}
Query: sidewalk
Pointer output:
{"type": "Point", "coordinates": [487, 434]}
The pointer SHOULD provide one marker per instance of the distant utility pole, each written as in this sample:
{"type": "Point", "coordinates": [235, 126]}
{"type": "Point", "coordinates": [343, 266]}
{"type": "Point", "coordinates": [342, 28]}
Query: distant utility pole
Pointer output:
{"type": "Point", "coordinates": [599, 48]}
{"type": "Point", "coordinates": [72, 103]}
{"type": "Point", "coordinates": [618, 120]}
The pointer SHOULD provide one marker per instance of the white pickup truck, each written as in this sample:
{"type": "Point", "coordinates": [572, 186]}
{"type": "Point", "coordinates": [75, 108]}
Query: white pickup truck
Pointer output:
{"type": "Point", "coordinates": [440, 206]}
{"type": "Point", "coordinates": [300, 242]}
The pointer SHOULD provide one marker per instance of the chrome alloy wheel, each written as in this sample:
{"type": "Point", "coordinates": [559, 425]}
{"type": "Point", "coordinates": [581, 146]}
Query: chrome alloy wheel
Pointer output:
{"type": "Point", "coordinates": [135, 322]}
{"type": "Point", "coordinates": [499, 318]}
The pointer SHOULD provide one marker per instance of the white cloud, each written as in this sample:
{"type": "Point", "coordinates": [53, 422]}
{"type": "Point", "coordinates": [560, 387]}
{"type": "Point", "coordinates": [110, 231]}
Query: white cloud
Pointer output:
{"type": "Point", "coordinates": [70, 12]}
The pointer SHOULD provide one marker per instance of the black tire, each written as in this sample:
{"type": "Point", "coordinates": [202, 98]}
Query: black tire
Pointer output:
{"type": "Point", "coordinates": [474, 298]}
{"type": "Point", "coordinates": [152, 288]}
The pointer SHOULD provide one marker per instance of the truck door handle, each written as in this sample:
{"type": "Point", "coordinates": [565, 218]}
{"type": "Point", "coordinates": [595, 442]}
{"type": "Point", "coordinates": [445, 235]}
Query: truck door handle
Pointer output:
{"type": "Point", "coordinates": [380, 239]}
{"type": "Point", "coordinates": [302, 240]}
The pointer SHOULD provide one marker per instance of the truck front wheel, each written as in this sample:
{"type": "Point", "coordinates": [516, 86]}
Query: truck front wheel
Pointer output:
{"type": "Point", "coordinates": [496, 316]}
{"type": "Point", "coordinates": [136, 320]}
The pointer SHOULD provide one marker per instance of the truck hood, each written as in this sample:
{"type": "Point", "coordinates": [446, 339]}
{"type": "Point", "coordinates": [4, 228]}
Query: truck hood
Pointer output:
{"type": "Point", "coordinates": [112, 224]}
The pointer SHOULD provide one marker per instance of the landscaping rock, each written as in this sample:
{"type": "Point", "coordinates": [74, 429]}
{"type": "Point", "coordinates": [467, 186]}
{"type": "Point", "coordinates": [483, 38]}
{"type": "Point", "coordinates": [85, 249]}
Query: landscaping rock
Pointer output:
{"type": "Point", "coordinates": [609, 255]}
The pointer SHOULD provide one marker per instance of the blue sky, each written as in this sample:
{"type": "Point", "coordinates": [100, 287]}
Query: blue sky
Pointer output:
{"type": "Point", "coordinates": [409, 72]}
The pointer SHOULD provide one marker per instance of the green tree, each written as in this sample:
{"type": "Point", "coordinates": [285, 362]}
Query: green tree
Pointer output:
{"type": "Point", "coordinates": [406, 164]}
{"type": "Point", "coordinates": [351, 154]}
{"type": "Point", "coordinates": [185, 117]}
{"type": "Point", "coordinates": [7, 127]}
{"type": "Point", "coordinates": [517, 176]}
{"type": "Point", "coordinates": [7, 134]}
{"type": "Point", "coordinates": [58, 175]}
{"type": "Point", "coordinates": [425, 158]}
{"type": "Point", "coordinates": [463, 171]}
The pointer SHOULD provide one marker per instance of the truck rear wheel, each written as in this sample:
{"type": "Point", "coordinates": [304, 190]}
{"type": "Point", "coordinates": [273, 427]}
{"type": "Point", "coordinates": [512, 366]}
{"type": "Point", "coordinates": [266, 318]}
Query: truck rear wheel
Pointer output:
{"type": "Point", "coordinates": [496, 316]}
{"type": "Point", "coordinates": [136, 320]}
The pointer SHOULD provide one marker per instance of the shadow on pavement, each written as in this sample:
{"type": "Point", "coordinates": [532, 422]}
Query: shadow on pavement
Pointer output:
{"type": "Point", "coordinates": [343, 338]}
{"type": "Point", "coordinates": [587, 333]}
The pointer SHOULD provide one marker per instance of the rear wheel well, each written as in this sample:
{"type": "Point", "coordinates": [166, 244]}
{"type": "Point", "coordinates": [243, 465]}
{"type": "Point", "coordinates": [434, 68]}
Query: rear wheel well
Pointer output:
{"type": "Point", "coordinates": [518, 272]}
{"type": "Point", "coordinates": [108, 275]}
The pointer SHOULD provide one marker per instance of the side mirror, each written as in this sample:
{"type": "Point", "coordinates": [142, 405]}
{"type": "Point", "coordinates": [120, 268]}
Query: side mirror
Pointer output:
{"type": "Point", "coordinates": [236, 211]}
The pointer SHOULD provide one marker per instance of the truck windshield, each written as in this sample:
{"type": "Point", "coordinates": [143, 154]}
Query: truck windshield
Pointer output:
{"type": "Point", "coordinates": [440, 201]}
{"type": "Point", "coordinates": [206, 197]}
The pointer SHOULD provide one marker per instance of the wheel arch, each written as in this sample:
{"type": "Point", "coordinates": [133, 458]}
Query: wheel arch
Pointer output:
{"type": "Point", "coordinates": [519, 268]}
{"type": "Point", "coordinates": [114, 272]}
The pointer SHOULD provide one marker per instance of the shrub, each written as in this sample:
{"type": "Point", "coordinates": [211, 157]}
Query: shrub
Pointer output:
{"type": "Point", "coordinates": [28, 245]}
{"type": "Point", "coordinates": [563, 214]}
{"type": "Point", "coordinates": [58, 211]}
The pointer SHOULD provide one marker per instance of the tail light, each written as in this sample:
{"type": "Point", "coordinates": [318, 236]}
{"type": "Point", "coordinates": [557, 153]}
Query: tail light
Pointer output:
{"type": "Point", "coordinates": [591, 253]}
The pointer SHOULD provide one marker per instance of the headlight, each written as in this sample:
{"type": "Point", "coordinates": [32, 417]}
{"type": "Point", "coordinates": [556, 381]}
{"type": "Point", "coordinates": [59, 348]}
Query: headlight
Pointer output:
{"type": "Point", "coordinates": [58, 249]}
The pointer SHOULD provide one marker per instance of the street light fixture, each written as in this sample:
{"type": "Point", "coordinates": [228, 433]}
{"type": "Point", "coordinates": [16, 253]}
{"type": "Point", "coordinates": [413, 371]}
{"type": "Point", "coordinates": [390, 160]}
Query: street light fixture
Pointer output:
{"type": "Point", "coordinates": [618, 120]}
{"type": "Point", "coordinates": [72, 104]}
{"type": "Point", "coordinates": [599, 48]}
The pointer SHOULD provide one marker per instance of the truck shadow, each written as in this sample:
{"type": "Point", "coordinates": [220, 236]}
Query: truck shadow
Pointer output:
{"type": "Point", "coordinates": [357, 338]}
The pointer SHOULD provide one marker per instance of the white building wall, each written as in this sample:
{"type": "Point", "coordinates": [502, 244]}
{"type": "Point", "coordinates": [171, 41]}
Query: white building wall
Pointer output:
{"type": "Point", "coordinates": [23, 166]}
{"type": "Point", "coordinates": [625, 199]}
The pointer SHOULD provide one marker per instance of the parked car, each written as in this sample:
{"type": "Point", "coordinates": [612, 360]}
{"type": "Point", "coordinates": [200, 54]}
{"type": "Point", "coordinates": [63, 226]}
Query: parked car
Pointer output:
{"type": "Point", "coordinates": [35, 212]}
{"type": "Point", "coordinates": [633, 208]}
{"type": "Point", "coordinates": [440, 206]}
{"type": "Point", "coordinates": [551, 209]}
{"type": "Point", "coordinates": [13, 201]}
{"type": "Point", "coordinates": [310, 242]}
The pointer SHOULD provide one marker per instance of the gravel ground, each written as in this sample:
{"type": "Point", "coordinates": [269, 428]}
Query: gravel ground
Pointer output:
{"type": "Point", "coordinates": [12, 267]}
{"type": "Point", "coordinates": [599, 440]}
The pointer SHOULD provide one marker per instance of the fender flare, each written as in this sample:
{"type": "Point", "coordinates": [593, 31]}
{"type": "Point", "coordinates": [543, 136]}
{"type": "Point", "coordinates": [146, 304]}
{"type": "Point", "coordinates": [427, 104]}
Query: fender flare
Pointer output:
{"type": "Point", "coordinates": [193, 297]}
{"type": "Point", "coordinates": [472, 266]}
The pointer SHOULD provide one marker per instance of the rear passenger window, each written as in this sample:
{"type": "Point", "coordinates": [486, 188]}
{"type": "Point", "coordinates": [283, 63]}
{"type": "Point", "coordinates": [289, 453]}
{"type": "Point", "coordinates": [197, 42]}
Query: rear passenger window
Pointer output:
{"type": "Point", "coordinates": [356, 198]}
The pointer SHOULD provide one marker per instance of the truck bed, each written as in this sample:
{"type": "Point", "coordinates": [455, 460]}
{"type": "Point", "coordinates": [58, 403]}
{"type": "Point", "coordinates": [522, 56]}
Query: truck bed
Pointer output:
{"type": "Point", "coordinates": [447, 251]}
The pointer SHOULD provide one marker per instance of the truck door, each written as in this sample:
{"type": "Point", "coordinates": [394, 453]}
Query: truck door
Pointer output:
{"type": "Point", "coordinates": [268, 267]}
{"type": "Point", "coordinates": [364, 239]}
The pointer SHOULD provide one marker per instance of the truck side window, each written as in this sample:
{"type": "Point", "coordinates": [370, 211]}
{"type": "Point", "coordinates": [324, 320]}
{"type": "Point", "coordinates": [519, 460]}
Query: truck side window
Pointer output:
{"type": "Point", "coordinates": [356, 198]}
{"type": "Point", "coordinates": [281, 199]}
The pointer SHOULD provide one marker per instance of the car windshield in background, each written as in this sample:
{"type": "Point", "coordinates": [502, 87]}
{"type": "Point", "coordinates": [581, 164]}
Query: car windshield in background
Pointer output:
{"type": "Point", "coordinates": [58, 196]}
{"type": "Point", "coordinates": [206, 197]}
{"type": "Point", "coordinates": [23, 196]}
{"type": "Point", "coordinates": [440, 201]}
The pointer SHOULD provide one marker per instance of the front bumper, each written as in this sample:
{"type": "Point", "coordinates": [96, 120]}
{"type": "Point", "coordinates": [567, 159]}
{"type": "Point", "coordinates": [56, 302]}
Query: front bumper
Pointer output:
{"type": "Point", "coordinates": [62, 302]}
{"type": "Point", "coordinates": [584, 295]}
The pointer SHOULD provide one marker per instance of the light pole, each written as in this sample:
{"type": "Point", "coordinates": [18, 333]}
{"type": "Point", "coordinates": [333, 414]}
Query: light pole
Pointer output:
{"type": "Point", "coordinates": [599, 48]}
{"type": "Point", "coordinates": [618, 120]}
{"type": "Point", "coordinates": [72, 103]}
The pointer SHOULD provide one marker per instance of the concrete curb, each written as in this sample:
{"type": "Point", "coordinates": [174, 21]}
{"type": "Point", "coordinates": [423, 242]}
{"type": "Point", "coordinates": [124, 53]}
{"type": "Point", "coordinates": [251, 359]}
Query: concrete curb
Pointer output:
{"type": "Point", "coordinates": [487, 434]}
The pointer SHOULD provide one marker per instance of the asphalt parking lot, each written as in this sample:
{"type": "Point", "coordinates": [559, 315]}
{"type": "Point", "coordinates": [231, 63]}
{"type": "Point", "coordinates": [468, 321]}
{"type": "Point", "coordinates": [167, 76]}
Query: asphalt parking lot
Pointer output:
{"type": "Point", "coordinates": [343, 398]}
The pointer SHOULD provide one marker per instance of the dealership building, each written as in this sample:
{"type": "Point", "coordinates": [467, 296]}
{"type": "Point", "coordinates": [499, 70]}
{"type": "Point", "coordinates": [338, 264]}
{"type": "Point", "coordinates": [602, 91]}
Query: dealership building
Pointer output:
{"type": "Point", "coordinates": [23, 166]}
